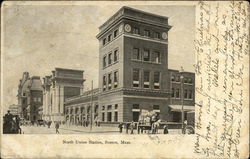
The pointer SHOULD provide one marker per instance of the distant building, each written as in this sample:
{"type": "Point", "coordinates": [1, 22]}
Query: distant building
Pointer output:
{"type": "Point", "coordinates": [62, 84]}
{"type": "Point", "coordinates": [30, 97]}
{"type": "Point", "coordinates": [177, 85]}
{"type": "Point", "coordinates": [133, 73]}
{"type": "Point", "coordinates": [14, 109]}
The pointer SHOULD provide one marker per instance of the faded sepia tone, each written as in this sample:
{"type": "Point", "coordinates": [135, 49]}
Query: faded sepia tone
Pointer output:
{"type": "Point", "coordinates": [222, 94]}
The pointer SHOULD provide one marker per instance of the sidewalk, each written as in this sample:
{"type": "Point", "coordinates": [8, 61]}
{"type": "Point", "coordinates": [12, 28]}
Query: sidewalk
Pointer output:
{"type": "Point", "coordinates": [106, 129]}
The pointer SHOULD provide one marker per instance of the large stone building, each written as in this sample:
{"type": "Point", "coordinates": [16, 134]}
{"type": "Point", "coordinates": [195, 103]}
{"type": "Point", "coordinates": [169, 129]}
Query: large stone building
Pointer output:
{"type": "Point", "coordinates": [30, 97]}
{"type": "Point", "coordinates": [133, 73]}
{"type": "Point", "coordinates": [62, 84]}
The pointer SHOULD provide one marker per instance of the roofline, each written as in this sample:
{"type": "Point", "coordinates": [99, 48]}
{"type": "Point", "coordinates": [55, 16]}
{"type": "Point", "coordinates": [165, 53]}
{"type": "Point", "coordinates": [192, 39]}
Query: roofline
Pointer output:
{"type": "Point", "coordinates": [67, 69]}
{"type": "Point", "coordinates": [137, 10]}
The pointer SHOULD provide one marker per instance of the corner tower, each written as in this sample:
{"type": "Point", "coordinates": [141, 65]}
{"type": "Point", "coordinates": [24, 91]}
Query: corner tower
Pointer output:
{"type": "Point", "coordinates": [133, 65]}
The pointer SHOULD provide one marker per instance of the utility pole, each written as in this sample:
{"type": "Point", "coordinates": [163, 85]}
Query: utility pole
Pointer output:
{"type": "Point", "coordinates": [91, 106]}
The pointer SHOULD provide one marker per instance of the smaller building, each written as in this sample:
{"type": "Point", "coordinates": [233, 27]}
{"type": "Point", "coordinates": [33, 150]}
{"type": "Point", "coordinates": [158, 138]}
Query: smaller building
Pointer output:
{"type": "Point", "coordinates": [182, 88]}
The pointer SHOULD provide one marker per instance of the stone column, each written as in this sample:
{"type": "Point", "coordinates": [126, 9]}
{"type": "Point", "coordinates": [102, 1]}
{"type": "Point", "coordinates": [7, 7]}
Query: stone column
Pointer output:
{"type": "Point", "coordinates": [61, 98]}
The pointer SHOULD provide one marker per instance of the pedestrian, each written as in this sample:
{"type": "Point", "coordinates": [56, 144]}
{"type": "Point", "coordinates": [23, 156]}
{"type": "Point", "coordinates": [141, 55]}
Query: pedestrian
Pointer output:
{"type": "Point", "coordinates": [49, 123]}
{"type": "Point", "coordinates": [132, 127]}
{"type": "Point", "coordinates": [57, 127]}
{"type": "Point", "coordinates": [165, 129]}
{"type": "Point", "coordinates": [127, 126]}
{"type": "Point", "coordinates": [120, 127]}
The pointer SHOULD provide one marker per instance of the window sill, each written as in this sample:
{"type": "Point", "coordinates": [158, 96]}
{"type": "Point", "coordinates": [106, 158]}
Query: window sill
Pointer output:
{"type": "Point", "coordinates": [136, 60]}
{"type": "Point", "coordinates": [110, 64]}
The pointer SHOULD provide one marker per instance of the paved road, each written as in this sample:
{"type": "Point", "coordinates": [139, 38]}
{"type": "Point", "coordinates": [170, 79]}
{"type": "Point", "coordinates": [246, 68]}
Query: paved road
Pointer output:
{"type": "Point", "coordinates": [80, 130]}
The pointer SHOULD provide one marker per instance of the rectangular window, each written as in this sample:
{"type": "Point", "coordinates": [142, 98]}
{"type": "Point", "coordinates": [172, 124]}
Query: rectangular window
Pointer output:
{"type": "Point", "coordinates": [157, 35]}
{"type": "Point", "coordinates": [115, 55]}
{"type": "Point", "coordinates": [136, 106]}
{"type": "Point", "coordinates": [156, 57]}
{"type": "Point", "coordinates": [146, 75]}
{"type": "Point", "coordinates": [185, 94]}
{"type": "Point", "coordinates": [39, 99]}
{"type": "Point", "coordinates": [177, 79]}
{"type": "Point", "coordinates": [104, 41]}
{"type": "Point", "coordinates": [172, 78]}
{"type": "Point", "coordinates": [156, 80]}
{"type": "Point", "coordinates": [109, 107]}
{"type": "Point", "coordinates": [103, 107]}
{"type": "Point", "coordinates": [190, 95]}
{"type": "Point", "coordinates": [116, 116]}
{"type": "Point", "coordinates": [136, 31]}
{"type": "Point", "coordinates": [136, 73]}
{"type": "Point", "coordinates": [109, 81]}
{"type": "Point", "coordinates": [185, 80]}
{"type": "Point", "coordinates": [177, 93]}
{"type": "Point", "coordinates": [156, 107]}
{"type": "Point", "coordinates": [146, 55]}
{"type": "Point", "coordinates": [24, 94]}
{"type": "Point", "coordinates": [104, 83]}
{"type": "Point", "coordinates": [115, 33]}
{"type": "Point", "coordinates": [147, 33]}
{"type": "Point", "coordinates": [110, 58]}
{"type": "Point", "coordinates": [173, 93]}
{"type": "Point", "coordinates": [109, 116]}
{"type": "Point", "coordinates": [115, 79]}
{"type": "Point", "coordinates": [109, 37]}
{"type": "Point", "coordinates": [116, 106]}
{"type": "Point", "coordinates": [104, 61]}
{"type": "Point", "coordinates": [136, 54]}
{"type": "Point", "coordinates": [103, 116]}
{"type": "Point", "coordinates": [190, 80]}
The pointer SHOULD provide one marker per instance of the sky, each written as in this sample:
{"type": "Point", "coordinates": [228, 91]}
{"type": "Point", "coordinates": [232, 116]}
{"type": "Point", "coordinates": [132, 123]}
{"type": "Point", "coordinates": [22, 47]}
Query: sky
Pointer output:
{"type": "Point", "coordinates": [38, 38]}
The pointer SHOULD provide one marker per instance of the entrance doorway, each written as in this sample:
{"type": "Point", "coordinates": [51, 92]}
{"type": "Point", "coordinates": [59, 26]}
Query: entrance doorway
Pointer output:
{"type": "Point", "coordinates": [136, 116]}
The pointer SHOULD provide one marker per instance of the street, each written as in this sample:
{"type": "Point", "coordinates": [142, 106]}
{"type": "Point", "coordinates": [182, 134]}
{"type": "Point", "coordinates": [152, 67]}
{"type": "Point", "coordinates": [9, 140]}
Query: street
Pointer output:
{"type": "Point", "coordinates": [83, 130]}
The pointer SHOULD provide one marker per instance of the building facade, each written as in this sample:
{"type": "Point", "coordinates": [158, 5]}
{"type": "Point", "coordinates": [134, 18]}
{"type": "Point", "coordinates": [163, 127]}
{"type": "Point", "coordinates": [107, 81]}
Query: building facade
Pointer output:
{"type": "Point", "coordinates": [30, 97]}
{"type": "Point", "coordinates": [133, 73]}
{"type": "Point", "coordinates": [133, 65]}
{"type": "Point", "coordinates": [62, 84]}
{"type": "Point", "coordinates": [182, 88]}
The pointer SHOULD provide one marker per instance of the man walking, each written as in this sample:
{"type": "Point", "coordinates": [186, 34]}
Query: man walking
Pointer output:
{"type": "Point", "coordinates": [120, 127]}
{"type": "Point", "coordinates": [57, 127]}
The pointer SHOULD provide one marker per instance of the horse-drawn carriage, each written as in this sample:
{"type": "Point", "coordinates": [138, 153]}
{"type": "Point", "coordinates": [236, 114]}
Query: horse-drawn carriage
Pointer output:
{"type": "Point", "coordinates": [189, 128]}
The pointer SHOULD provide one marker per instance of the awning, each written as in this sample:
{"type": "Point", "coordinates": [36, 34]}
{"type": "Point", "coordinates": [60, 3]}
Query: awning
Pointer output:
{"type": "Point", "coordinates": [178, 108]}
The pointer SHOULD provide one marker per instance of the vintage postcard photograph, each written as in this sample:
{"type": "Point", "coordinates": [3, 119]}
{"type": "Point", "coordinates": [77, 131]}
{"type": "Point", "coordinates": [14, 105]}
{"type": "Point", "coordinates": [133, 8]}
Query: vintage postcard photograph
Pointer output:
{"type": "Point", "coordinates": [113, 76]}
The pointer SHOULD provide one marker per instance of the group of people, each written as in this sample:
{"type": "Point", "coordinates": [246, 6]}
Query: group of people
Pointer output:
{"type": "Point", "coordinates": [153, 128]}
{"type": "Point", "coordinates": [11, 124]}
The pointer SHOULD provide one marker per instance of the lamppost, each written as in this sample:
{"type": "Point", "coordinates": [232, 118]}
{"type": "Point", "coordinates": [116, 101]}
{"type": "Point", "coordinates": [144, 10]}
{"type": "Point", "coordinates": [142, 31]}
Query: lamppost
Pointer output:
{"type": "Point", "coordinates": [182, 97]}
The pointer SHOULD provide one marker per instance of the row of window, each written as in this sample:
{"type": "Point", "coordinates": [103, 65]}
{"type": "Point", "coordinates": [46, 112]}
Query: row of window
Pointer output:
{"type": "Point", "coordinates": [177, 78]}
{"type": "Point", "coordinates": [111, 58]}
{"type": "Point", "coordinates": [110, 80]}
{"type": "Point", "coordinates": [110, 107]}
{"type": "Point", "coordinates": [145, 32]}
{"type": "Point", "coordinates": [109, 113]}
{"type": "Point", "coordinates": [146, 79]}
{"type": "Point", "coordinates": [146, 55]}
{"type": "Point", "coordinates": [188, 94]}
{"type": "Point", "coordinates": [137, 106]}
{"type": "Point", "coordinates": [81, 110]}
{"type": "Point", "coordinates": [37, 99]}
{"type": "Point", "coordinates": [110, 37]}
